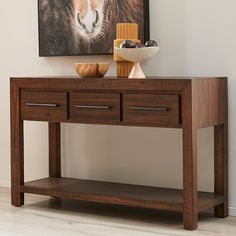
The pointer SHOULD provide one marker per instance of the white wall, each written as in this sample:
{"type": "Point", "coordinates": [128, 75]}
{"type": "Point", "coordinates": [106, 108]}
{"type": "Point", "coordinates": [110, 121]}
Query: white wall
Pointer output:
{"type": "Point", "coordinates": [197, 38]}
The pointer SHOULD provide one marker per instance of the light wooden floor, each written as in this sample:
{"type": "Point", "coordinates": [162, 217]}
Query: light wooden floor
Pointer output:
{"type": "Point", "coordinates": [42, 216]}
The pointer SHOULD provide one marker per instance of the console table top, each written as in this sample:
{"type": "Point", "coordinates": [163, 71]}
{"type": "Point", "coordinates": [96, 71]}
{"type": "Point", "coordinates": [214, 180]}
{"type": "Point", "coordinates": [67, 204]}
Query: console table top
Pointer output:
{"type": "Point", "coordinates": [119, 79]}
{"type": "Point", "coordinates": [150, 84]}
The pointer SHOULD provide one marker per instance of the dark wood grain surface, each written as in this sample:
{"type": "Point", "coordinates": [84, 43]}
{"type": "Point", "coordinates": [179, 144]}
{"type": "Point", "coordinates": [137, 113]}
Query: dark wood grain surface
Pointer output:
{"type": "Point", "coordinates": [151, 109]}
{"type": "Point", "coordinates": [110, 84]}
{"type": "Point", "coordinates": [119, 194]}
{"type": "Point", "coordinates": [43, 105]}
{"type": "Point", "coordinates": [17, 147]}
{"type": "Point", "coordinates": [54, 147]}
{"type": "Point", "coordinates": [187, 103]}
{"type": "Point", "coordinates": [94, 106]}
{"type": "Point", "coordinates": [190, 213]}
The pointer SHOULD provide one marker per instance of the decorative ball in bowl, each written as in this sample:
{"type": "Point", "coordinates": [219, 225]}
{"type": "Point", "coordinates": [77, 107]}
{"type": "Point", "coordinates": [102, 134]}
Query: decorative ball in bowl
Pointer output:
{"type": "Point", "coordinates": [92, 70]}
{"type": "Point", "coordinates": [137, 55]}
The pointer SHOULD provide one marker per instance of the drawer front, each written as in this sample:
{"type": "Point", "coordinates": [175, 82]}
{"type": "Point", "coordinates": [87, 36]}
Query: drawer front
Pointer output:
{"type": "Point", "coordinates": [94, 107]}
{"type": "Point", "coordinates": [43, 105]}
{"type": "Point", "coordinates": [151, 109]}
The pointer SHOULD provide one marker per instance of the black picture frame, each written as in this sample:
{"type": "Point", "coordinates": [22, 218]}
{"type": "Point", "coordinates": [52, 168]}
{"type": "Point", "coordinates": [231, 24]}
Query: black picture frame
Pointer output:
{"type": "Point", "coordinates": [57, 20]}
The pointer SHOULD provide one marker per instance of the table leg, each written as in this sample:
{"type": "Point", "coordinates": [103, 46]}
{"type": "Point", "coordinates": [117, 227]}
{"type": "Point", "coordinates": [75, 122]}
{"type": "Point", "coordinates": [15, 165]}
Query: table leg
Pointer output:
{"type": "Point", "coordinates": [190, 201]}
{"type": "Point", "coordinates": [190, 211]}
{"type": "Point", "coordinates": [17, 149]}
{"type": "Point", "coordinates": [54, 132]}
{"type": "Point", "coordinates": [221, 168]}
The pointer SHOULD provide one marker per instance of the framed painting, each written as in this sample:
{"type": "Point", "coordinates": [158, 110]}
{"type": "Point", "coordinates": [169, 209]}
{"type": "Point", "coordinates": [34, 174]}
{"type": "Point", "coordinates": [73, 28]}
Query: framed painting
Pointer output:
{"type": "Point", "coordinates": [87, 27]}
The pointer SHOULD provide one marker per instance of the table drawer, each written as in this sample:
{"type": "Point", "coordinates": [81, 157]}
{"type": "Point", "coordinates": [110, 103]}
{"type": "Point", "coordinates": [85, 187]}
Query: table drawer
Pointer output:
{"type": "Point", "coordinates": [151, 109]}
{"type": "Point", "coordinates": [94, 107]}
{"type": "Point", "coordinates": [43, 105]}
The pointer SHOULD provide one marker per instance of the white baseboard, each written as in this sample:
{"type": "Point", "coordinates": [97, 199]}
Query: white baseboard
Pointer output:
{"type": "Point", "coordinates": [232, 211]}
{"type": "Point", "coordinates": [4, 183]}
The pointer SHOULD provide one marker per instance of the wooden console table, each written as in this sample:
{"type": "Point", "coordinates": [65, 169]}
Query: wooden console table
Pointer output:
{"type": "Point", "coordinates": [186, 103]}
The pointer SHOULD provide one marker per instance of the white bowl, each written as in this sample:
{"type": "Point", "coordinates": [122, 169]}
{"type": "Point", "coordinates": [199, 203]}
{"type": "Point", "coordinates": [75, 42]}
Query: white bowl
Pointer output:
{"type": "Point", "coordinates": [137, 54]}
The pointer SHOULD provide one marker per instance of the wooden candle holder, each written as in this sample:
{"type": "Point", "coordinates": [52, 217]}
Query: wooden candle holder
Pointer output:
{"type": "Point", "coordinates": [124, 31]}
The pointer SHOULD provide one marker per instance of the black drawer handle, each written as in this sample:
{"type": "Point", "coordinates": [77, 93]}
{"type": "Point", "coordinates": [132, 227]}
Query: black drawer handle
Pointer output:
{"type": "Point", "coordinates": [94, 107]}
{"type": "Point", "coordinates": [149, 109]}
{"type": "Point", "coordinates": [41, 104]}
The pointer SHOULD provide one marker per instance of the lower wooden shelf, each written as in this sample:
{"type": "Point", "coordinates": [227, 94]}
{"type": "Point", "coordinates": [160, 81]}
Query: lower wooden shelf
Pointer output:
{"type": "Point", "coordinates": [118, 194]}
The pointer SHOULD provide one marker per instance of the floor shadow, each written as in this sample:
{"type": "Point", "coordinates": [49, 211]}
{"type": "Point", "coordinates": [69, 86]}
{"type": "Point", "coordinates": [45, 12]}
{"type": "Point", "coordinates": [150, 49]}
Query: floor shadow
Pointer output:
{"type": "Point", "coordinates": [130, 214]}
